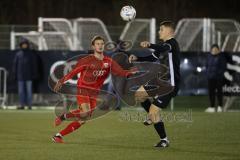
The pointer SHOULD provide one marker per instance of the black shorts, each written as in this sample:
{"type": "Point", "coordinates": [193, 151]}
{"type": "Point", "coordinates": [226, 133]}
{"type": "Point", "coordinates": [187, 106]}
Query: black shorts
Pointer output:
{"type": "Point", "coordinates": [162, 101]}
{"type": "Point", "coordinates": [159, 101]}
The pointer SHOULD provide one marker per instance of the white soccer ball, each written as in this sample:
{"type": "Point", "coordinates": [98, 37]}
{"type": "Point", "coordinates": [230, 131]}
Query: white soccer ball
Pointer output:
{"type": "Point", "coordinates": [128, 13]}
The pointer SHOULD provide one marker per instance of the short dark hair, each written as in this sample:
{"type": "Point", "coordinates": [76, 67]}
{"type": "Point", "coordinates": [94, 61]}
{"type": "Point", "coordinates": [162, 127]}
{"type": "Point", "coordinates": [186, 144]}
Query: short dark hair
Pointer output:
{"type": "Point", "coordinates": [97, 37]}
{"type": "Point", "coordinates": [215, 46]}
{"type": "Point", "coordinates": [168, 24]}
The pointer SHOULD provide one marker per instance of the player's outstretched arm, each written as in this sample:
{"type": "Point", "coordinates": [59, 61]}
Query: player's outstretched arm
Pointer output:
{"type": "Point", "coordinates": [118, 70]}
{"type": "Point", "coordinates": [132, 58]}
{"type": "Point", "coordinates": [159, 48]}
{"type": "Point", "coordinates": [77, 69]}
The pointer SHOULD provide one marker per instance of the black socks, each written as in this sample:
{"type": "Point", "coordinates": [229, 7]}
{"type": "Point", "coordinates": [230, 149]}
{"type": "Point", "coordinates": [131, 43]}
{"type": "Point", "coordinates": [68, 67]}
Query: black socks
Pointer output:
{"type": "Point", "coordinates": [159, 127]}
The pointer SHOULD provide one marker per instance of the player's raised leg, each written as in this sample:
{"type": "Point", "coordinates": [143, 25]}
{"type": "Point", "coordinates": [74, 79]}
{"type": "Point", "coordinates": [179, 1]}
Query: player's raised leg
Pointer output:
{"type": "Point", "coordinates": [83, 112]}
{"type": "Point", "coordinates": [58, 138]}
{"type": "Point", "coordinates": [76, 114]}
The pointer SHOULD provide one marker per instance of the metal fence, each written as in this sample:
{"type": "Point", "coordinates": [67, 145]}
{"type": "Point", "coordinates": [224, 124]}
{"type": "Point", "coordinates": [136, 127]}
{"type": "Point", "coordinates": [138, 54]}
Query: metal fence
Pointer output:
{"type": "Point", "coordinates": [64, 34]}
{"type": "Point", "coordinates": [198, 34]}
{"type": "Point", "coordinates": [193, 34]}
{"type": "Point", "coordinates": [5, 33]}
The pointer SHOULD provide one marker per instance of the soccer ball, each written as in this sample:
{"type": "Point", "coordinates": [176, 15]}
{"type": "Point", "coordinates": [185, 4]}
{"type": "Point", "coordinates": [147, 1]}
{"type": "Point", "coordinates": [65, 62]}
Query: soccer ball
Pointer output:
{"type": "Point", "coordinates": [128, 13]}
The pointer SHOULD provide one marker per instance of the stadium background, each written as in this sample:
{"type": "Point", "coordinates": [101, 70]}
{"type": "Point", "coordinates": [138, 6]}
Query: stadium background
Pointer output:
{"type": "Point", "coordinates": [28, 11]}
{"type": "Point", "coordinates": [201, 12]}
{"type": "Point", "coordinates": [193, 133]}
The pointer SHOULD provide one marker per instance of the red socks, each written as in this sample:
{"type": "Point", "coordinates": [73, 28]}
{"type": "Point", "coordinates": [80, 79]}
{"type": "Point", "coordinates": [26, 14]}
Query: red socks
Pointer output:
{"type": "Point", "coordinates": [77, 114]}
{"type": "Point", "coordinates": [70, 128]}
{"type": "Point", "coordinates": [73, 114]}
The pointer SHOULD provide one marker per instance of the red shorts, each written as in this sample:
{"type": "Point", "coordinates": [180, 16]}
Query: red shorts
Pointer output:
{"type": "Point", "coordinates": [92, 101]}
{"type": "Point", "coordinates": [87, 95]}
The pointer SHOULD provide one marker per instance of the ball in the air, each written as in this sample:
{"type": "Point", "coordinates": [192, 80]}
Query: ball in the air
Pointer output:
{"type": "Point", "coordinates": [128, 13]}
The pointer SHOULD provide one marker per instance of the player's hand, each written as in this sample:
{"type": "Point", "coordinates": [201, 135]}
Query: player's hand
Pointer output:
{"type": "Point", "coordinates": [57, 87]}
{"type": "Point", "coordinates": [134, 70]}
{"type": "Point", "coordinates": [145, 44]}
{"type": "Point", "coordinates": [132, 58]}
{"type": "Point", "coordinates": [141, 94]}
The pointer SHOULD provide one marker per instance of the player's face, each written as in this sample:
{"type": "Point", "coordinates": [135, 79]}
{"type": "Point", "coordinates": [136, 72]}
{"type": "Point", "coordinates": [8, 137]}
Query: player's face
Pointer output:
{"type": "Point", "coordinates": [164, 32]}
{"type": "Point", "coordinates": [98, 46]}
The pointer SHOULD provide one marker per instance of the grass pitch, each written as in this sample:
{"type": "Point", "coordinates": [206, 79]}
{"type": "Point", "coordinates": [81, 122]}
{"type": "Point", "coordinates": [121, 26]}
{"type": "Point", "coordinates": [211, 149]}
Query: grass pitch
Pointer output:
{"type": "Point", "coordinates": [121, 135]}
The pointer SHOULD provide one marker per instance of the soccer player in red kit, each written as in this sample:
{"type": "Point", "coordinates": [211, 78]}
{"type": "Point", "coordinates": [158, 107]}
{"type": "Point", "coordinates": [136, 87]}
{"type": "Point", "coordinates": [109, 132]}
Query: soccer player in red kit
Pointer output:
{"type": "Point", "coordinates": [93, 69]}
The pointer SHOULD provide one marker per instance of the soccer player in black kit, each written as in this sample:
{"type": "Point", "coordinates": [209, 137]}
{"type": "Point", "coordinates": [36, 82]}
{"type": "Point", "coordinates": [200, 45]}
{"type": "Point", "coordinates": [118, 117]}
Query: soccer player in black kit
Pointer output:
{"type": "Point", "coordinates": [169, 49]}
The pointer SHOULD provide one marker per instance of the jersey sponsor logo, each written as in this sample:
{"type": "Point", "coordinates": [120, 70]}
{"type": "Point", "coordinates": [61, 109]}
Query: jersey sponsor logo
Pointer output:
{"type": "Point", "coordinates": [98, 73]}
{"type": "Point", "coordinates": [106, 65]}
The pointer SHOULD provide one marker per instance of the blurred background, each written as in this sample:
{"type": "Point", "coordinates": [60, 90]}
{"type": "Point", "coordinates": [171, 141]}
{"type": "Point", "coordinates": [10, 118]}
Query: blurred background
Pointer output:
{"type": "Point", "coordinates": [59, 30]}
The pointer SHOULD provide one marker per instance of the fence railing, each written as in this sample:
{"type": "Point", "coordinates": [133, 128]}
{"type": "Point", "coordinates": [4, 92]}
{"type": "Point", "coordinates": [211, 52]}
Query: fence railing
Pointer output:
{"type": "Point", "coordinates": [198, 34]}
{"type": "Point", "coordinates": [193, 34]}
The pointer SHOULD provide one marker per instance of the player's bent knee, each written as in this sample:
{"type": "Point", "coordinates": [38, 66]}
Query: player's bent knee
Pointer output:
{"type": "Point", "coordinates": [85, 107]}
{"type": "Point", "coordinates": [155, 118]}
{"type": "Point", "coordinates": [146, 105]}
{"type": "Point", "coordinates": [84, 110]}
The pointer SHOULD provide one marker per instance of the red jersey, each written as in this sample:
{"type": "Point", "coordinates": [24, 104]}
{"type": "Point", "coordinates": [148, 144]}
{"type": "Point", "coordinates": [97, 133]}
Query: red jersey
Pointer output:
{"type": "Point", "coordinates": [93, 72]}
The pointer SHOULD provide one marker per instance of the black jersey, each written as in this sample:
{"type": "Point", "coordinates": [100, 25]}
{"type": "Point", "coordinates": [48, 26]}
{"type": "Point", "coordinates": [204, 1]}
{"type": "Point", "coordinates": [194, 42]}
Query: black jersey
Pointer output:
{"type": "Point", "coordinates": [167, 53]}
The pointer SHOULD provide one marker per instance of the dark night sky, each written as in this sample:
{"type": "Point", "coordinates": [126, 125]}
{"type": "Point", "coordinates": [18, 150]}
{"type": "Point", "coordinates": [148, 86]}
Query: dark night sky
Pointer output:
{"type": "Point", "coordinates": [27, 11]}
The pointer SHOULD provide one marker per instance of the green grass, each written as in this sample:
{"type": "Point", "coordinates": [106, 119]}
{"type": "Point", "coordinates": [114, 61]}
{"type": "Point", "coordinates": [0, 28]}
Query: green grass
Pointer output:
{"type": "Point", "coordinates": [27, 135]}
